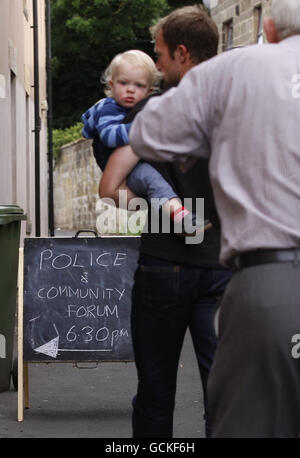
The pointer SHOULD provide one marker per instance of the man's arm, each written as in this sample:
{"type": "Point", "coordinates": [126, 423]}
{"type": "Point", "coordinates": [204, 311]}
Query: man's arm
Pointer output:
{"type": "Point", "coordinates": [173, 126]}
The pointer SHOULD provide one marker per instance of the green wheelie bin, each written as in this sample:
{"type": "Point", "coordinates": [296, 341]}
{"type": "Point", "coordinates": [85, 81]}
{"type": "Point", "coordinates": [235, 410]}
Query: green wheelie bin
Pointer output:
{"type": "Point", "coordinates": [10, 223]}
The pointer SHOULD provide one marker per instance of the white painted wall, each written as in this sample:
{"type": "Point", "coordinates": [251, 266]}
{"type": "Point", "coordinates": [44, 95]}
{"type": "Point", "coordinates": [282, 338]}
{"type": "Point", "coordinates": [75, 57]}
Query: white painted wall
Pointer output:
{"type": "Point", "coordinates": [17, 157]}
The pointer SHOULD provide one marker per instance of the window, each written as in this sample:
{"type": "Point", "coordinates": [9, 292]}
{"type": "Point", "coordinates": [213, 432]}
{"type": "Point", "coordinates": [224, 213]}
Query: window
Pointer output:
{"type": "Point", "coordinates": [258, 25]}
{"type": "Point", "coordinates": [227, 35]}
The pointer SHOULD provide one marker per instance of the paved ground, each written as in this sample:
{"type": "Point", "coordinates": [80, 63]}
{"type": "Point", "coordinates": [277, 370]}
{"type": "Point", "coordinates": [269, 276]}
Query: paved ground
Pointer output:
{"type": "Point", "coordinates": [68, 402]}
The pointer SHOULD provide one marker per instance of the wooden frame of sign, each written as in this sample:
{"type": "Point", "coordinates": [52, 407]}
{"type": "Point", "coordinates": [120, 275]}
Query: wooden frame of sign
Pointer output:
{"type": "Point", "coordinates": [74, 302]}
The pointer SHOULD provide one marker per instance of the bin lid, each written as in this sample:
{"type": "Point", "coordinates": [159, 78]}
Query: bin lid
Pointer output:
{"type": "Point", "coordinates": [11, 213]}
{"type": "Point", "coordinates": [10, 209]}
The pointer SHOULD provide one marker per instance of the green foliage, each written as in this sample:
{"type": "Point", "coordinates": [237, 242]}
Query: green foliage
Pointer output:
{"type": "Point", "coordinates": [86, 35]}
{"type": "Point", "coordinates": [62, 137]}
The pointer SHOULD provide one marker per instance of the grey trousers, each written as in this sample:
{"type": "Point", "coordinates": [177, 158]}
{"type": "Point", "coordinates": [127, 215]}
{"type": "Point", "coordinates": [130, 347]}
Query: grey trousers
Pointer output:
{"type": "Point", "coordinates": [254, 384]}
{"type": "Point", "coordinates": [145, 181]}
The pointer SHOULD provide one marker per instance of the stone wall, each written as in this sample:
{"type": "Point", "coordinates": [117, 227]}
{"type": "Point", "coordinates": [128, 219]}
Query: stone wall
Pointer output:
{"type": "Point", "coordinates": [244, 15]}
{"type": "Point", "coordinates": [76, 180]}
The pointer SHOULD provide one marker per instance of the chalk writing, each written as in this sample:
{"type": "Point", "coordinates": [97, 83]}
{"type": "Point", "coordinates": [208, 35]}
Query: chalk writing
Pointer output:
{"type": "Point", "coordinates": [53, 292]}
{"type": "Point", "coordinates": [84, 277]}
{"type": "Point", "coordinates": [49, 348]}
{"type": "Point", "coordinates": [64, 260]}
{"type": "Point", "coordinates": [88, 334]}
{"type": "Point", "coordinates": [77, 298]}
{"type": "Point", "coordinates": [91, 311]}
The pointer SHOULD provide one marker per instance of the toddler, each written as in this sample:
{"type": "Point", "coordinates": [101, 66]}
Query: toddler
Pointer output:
{"type": "Point", "coordinates": [130, 77]}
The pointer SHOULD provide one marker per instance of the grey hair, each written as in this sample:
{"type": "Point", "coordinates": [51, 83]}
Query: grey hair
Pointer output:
{"type": "Point", "coordinates": [286, 16]}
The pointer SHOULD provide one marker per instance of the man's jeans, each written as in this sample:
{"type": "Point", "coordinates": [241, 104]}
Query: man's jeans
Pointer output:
{"type": "Point", "coordinates": [166, 299]}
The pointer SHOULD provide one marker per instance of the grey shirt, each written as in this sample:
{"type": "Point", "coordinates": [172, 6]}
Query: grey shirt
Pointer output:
{"type": "Point", "coordinates": [242, 110]}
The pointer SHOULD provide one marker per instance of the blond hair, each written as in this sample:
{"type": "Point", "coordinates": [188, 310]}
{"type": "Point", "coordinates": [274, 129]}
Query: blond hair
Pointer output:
{"type": "Point", "coordinates": [136, 58]}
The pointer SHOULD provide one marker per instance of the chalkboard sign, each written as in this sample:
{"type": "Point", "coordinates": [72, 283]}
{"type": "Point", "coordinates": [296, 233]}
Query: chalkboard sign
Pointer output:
{"type": "Point", "coordinates": [77, 298]}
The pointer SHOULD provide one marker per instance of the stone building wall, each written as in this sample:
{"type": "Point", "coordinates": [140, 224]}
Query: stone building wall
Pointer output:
{"type": "Point", "coordinates": [241, 17]}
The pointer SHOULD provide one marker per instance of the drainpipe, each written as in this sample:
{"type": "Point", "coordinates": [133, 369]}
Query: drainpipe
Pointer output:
{"type": "Point", "coordinates": [49, 120]}
{"type": "Point", "coordinates": [37, 119]}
